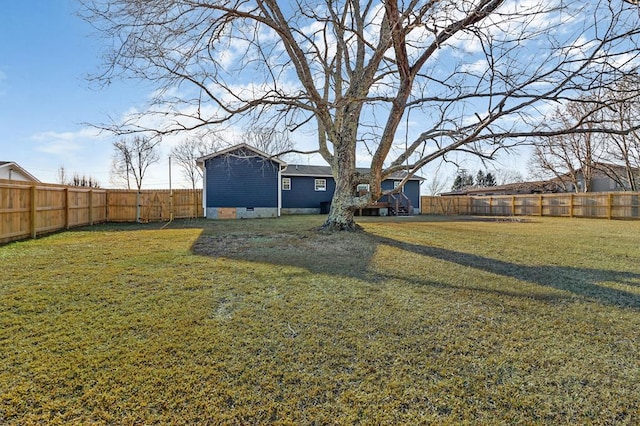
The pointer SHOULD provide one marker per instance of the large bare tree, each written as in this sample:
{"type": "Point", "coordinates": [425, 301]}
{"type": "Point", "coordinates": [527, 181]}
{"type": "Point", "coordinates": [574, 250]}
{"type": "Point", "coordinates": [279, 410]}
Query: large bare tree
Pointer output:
{"type": "Point", "coordinates": [576, 157]}
{"type": "Point", "coordinates": [189, 150]}
{"type": "Point", "coordinates": [266, 139]}
{"type": "Point", "coordinates": [132, 157]}
{"type": "Point", "coordinates": [269, 140]}
{"type": "Point", "coordinates": [624, 148]}
{"type": "Point", "coordinates": [572, 158]}
{"type": "Point", "coordinates": [474, 75]}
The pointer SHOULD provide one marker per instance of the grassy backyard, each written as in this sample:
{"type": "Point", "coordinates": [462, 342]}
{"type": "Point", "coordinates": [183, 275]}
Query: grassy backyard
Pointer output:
{"type": "Point", "coordinates": [417, 320]}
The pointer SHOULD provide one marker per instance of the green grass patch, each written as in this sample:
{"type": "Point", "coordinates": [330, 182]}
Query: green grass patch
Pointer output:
{"type": "Point", "coordinates": [417, 320]}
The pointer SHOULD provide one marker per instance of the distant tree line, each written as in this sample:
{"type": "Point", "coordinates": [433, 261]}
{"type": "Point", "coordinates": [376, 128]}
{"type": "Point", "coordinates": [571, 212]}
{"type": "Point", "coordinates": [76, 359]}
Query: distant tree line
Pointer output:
{"type": "Point", "coordinates": [76, 180]}
{"type": "Point", "coordinates": [463, 180]}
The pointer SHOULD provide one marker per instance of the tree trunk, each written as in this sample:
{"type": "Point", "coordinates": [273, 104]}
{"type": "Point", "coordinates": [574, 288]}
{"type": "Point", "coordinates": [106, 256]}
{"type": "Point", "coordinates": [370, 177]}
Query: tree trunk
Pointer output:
{"type": "Point", "coordinates": [342, 211]}
{"type": "Point", "coordinates": [344, 202]}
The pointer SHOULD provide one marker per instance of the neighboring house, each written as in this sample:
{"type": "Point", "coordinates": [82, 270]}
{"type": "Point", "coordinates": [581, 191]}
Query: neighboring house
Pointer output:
{"type": "Point", "coordinates": [606, 178]}
{"type": "Point", "coordinates": [537, 187]}
{"type": "Point", "coordinates": [12, 171]}
{"type": "Point", "coordinates": [243, 182]}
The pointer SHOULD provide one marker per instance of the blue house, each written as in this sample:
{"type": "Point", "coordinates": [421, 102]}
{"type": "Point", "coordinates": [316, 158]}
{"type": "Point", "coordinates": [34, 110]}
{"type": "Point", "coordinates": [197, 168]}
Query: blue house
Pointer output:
{"type": "Point", "coordinates": [243, 182]}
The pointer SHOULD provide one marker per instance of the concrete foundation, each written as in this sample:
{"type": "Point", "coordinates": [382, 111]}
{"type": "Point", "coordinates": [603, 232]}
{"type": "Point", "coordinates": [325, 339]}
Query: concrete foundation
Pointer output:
{"type": "Point", "coordinates": [240, 212]}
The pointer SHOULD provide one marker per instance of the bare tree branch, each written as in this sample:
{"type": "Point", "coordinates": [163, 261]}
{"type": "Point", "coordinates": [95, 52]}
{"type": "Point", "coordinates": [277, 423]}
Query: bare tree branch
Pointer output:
{"type": "Point", "coordinates": [477, 76]}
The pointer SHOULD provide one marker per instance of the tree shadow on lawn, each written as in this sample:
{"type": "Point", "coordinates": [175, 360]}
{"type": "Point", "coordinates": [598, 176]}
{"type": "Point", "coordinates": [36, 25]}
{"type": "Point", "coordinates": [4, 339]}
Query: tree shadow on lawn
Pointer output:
{"type": "Point", "coordinates": [585, 282]}
{"type": "Point", "coordinates": [351, 255]}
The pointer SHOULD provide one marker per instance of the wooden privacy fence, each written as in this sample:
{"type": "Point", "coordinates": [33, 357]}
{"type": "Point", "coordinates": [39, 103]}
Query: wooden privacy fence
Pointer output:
{"type": "Point", "coordinates": [28, 209]}
{"type": "Point", "coordinates": [608, 205]}
{"type": "Point", "coordinates": [155, 205]}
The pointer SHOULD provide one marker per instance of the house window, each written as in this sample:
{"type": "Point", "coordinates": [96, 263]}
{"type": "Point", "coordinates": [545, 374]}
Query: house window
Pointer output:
{"type": "Point", "coordinates": [363, 188]}
{"type": "Point", "coordinates": [396, 183]}
{"type": "Point", "coordinates": [321, 185]}
{"type": "Point", "coordinates": [286, 184]}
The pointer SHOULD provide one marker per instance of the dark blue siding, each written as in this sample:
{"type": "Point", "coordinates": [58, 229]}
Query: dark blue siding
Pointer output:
{"type": "Point", "coordinates": [303, 194]}
{"type": "Point", "coordinates": [411, 190]}
{"type": "Point", "coordinates": [241, 182]}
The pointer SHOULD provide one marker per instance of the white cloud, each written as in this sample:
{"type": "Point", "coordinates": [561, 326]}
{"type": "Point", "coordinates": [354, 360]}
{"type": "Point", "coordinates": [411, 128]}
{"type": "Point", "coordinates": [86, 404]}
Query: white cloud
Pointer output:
{"type": "Point", "coordinates": [65, 143]}
{"type": "Point", "coordinates": [477, 67]}
{"type": "Point", "coordinates": [85, 151]}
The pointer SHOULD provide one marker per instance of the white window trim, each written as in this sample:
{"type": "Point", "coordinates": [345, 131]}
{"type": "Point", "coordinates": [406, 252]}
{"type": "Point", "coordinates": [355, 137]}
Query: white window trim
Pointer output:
{"type": "Point", "coordinates": [323, 187]}
{"type": "Point", "coordinates": [286, 184]}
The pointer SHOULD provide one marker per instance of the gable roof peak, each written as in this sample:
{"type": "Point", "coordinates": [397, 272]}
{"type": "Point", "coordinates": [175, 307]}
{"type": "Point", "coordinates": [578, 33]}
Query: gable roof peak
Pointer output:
{"type": "Point", "coordinates": [15, 166]}
{"type": "Point", "coordinates": [240, 146]}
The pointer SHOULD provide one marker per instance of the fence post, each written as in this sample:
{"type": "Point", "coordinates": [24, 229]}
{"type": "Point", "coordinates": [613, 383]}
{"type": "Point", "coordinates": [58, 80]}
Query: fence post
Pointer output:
{"type": "Point", "coordinates": [66, 207]}
{"type": "Point", "coordinates": [33, 211]}
{"type": "Point", "coordinates": [513, 205]}
{"type": "Point", "coordinates": [570, 205]}
{"type": "Point", "coordinates": [107, 201]}
{"type": "Point", "coordinates": [609, 206]}
{"type": "Point", "coordinates": [540, 203]}
{"type": "Point", "coordinates": [91, 207]}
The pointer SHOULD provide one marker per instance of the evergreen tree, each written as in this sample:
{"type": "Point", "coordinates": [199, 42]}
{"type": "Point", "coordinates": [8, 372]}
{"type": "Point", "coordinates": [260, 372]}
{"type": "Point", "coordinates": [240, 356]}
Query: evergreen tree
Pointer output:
{"type": "Point", "coordinates": [484, 179]}
{"type": "Point", "coordinates": [489, 180]}
{"type": "Point", "coordinates": [462, 181]}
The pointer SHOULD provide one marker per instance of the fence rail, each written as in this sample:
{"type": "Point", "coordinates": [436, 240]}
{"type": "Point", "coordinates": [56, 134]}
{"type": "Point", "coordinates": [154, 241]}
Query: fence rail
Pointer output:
{"type": "Point", "coordinates": [28, 209]}
{"type": "Point", "coordinates": [154, 205]}
{"type": "Point", "coordinates": [609, 205]}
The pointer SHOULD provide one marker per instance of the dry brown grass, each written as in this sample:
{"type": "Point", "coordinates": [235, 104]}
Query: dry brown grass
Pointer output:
{"type": "Point", "coordinates": [414, 321]}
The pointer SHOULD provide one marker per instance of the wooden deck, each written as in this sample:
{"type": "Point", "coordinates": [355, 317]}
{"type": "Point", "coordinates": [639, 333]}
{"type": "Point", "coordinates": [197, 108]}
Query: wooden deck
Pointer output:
{"type": "Point", "coordinates": [373, 209]}
{"type": "Point", "coordinates": [396, 206]}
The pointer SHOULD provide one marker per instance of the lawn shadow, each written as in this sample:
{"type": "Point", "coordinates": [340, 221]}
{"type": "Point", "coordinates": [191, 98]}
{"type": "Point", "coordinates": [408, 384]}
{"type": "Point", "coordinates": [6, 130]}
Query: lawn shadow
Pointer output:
{"type": "Point", "coordinates": [144, 226]}
{"type": "Point", "coordinates": [351, 255]}
{"type": "Point", "coordinates": [345, 254]}
{"type": "Point", "coordinates": [584, 282]}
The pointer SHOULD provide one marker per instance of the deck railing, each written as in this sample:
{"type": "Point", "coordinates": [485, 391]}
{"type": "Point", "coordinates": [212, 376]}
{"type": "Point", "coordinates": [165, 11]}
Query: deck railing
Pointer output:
{"type": "Point", "coordinates": [400, 204]}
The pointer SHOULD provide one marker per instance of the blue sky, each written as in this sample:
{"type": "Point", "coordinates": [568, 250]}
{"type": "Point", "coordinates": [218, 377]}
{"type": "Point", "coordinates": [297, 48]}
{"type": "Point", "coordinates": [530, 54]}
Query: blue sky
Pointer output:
{"type": "Point", "coordinates": [46, 52]}
{"type": "Point", "coordinates": [46, 101]}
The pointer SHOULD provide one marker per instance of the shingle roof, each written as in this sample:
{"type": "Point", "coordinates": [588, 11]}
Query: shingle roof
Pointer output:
{"type": "Point", "coordinates": [243, 147]}
{"type": "Point", "coordinates": [296, 169]}
{"type": "Point", "coordinates": [325, 171]}
{"type": "Point", "coordinates": [531, 187]}
{"type": "Point", "coordinates": [302, 170]}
